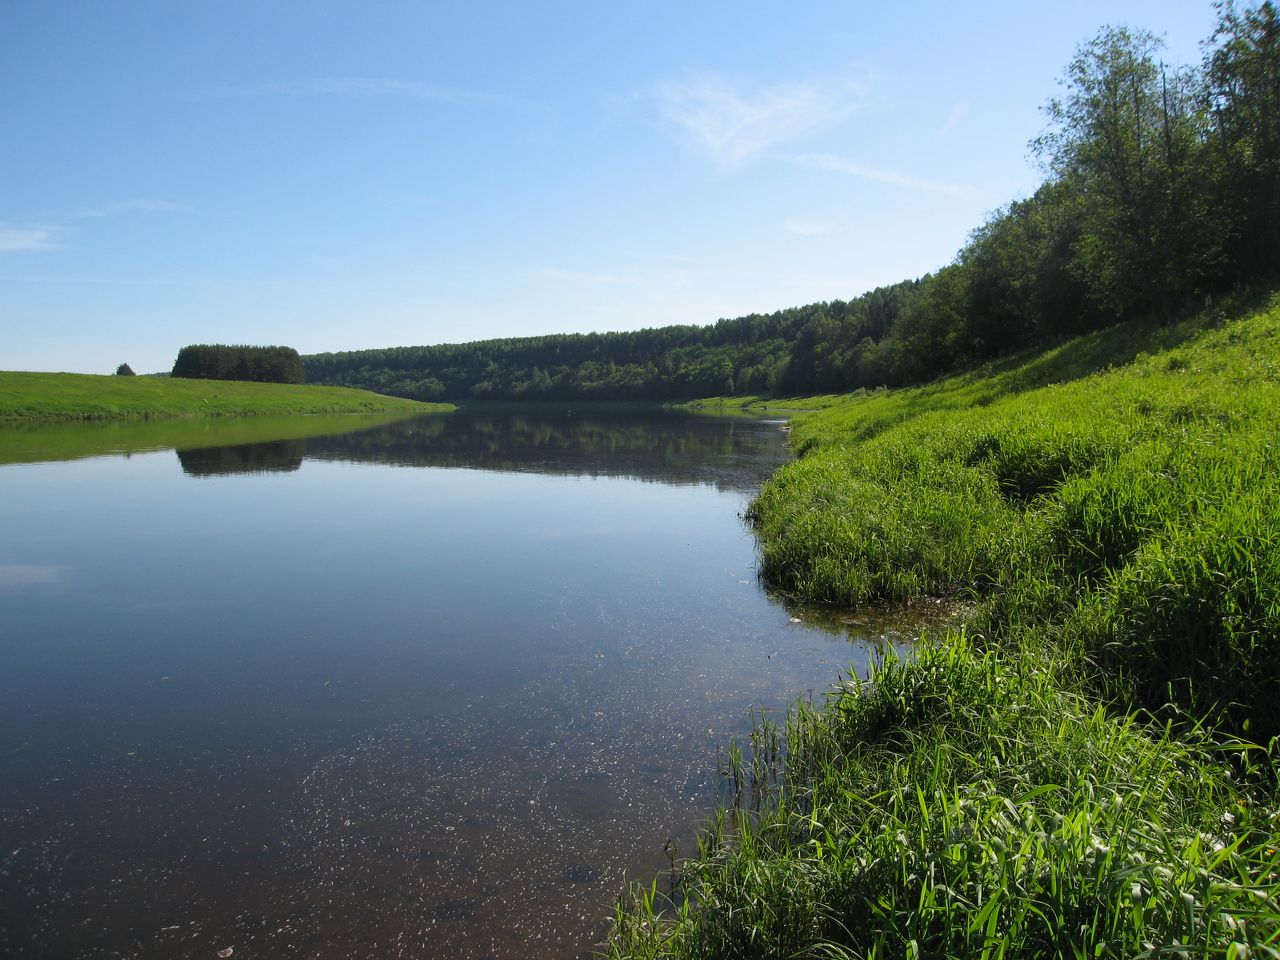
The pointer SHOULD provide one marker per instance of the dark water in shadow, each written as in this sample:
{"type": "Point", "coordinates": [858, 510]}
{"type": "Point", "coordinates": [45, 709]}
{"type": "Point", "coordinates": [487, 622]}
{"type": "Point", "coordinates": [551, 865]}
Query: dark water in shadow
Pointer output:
{"type": "Point", "coordinates": [430, 688]}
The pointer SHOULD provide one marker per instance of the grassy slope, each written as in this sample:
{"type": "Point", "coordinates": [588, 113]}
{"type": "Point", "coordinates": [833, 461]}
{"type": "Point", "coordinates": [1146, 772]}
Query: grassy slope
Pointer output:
{"type": "Point", "coordinates": [1115, 516]}
{"type": "Point", "coordinates": [73, 396]}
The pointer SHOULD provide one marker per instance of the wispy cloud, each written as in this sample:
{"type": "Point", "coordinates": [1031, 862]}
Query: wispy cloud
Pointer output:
{"type": "Point", "coordinates": [104, 281]}
{"type": "Point", "coordinates": [809, 227]}
{"type": "Point", "coordinates": [136, 205]}
{"type": "Point", "coordinates": [27, 239]}
{"type": "Point", "coordinates": [51, 234]}
{"type": "Point", "coordinates": [369, 87]}
{"type": "Point", "coordinates": [826, 161]}
{"type": "Point", "coordinates": [581, 276]}
{"type": "Point", "coordinates": [959, 110]}
{"type": "Point", "coordinates": [732, 125]}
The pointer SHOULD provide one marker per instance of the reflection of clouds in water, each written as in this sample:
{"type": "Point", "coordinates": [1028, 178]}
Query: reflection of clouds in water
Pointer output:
{"type": "Point", "coordinates": [30, 574]}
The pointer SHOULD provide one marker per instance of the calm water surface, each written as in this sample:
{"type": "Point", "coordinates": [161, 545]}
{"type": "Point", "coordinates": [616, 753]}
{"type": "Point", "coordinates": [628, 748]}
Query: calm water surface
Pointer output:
{"type": "Point", "coordinates": [425, 688]}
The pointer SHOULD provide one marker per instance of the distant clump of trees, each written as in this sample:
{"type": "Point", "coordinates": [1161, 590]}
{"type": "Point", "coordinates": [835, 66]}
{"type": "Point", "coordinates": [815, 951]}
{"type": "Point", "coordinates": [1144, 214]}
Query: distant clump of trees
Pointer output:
{"type": "Point", "coordinates": [204, 361]}
{"type": "Point", "coordinates": [1162, 188]}
{"type": "Point", "coordinates": [124, 370]}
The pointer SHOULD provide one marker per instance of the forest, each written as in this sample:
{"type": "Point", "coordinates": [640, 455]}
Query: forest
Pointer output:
{"type": "Point", "coordinates": [206, 361]}
{"type": "Point", "coordinates": [1161, 189]}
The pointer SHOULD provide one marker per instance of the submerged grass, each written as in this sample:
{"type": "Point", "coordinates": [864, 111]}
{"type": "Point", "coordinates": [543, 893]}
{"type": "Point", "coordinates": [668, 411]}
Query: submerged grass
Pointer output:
{"type": "Point", "coordinates": [75, 396]}
{"type": "Point", "coordinates": [1073, 775]}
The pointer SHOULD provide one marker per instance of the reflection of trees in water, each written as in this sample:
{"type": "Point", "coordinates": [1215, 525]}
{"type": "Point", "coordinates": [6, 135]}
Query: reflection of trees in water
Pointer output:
{"type": "Point", "coordinates": [660, 447]}
{"type": "Point", "coordinates": [275, 456]}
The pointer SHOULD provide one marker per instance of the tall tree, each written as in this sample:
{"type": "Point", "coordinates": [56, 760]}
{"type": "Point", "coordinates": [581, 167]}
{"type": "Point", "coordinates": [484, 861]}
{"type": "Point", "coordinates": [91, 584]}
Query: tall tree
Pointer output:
{"type": "Point", "coordinates": [1243, 72]}
{"type": "Point", "coordinates": [1124, 138]}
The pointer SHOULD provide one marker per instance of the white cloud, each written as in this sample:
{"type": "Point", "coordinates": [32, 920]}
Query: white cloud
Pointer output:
{"type": "Point", "coordinates": [959, 111]}
{"type": "Point", "coordinates": [107, 281]}
{"type": "Point", "coordinates": [808, 227]}
{"type": "Point", "coordinates": [347, 87]}
{"type": "Point", "coordinates": [137, 205]}
{"type": "Point", "coordinates": [731, 125]}
{"type": "Point", "coordinates": [581, 276]}
{"type": "Point", "coordinates": [27, 239]}
{"type": "Point", "coordinates": [825, 161]}
{"type": "Point", "coordinates": [46, 237]}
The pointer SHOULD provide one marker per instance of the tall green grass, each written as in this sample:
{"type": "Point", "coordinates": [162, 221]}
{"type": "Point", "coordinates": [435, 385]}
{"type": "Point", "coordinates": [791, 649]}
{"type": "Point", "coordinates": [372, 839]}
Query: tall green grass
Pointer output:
{"type": "Point", "coordinates": [966, 804]}
{"type": "Point", "coordinates": [1134, 511]}
{"type": "Point", "coordinates": [1073, 775]}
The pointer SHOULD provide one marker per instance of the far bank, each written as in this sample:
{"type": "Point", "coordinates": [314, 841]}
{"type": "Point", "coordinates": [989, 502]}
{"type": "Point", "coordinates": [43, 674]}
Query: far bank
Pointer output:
{"type": "Point", "coordinates": [75, 396]}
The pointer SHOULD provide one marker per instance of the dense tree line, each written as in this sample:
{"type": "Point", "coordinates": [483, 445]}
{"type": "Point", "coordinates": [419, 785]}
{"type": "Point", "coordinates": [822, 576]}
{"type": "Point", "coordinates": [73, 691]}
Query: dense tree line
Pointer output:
{"type": "Point", "coordinates": [1162, 187]}
{"type": "Point", "coordinates": [205, 361]}
{"type": "Point", "coordinates": [788, 351]}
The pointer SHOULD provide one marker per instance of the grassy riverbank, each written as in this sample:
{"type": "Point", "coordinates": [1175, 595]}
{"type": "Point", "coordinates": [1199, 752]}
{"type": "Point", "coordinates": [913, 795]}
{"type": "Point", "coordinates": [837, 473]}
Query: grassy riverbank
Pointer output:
{"type": "Point", "coordinates": [75, 396]}
{"type": "Point", "coordinates": [1069, 775]}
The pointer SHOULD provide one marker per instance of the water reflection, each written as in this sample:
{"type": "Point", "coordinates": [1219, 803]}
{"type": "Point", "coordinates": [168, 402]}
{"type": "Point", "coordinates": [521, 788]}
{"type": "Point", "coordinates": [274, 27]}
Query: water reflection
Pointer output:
{"type": "Point", "coordinates": [29, 574]}
{"type": "Point", "coordinates": [327, 709]}
{"type": "Point", "coordinates": [42, 442]}
{"type": "Point", "coordinates": [659, 446]}
{"type": "Point", "coordinates": [277, 456]}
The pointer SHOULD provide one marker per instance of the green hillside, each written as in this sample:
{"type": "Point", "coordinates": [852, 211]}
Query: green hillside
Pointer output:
{"type": "Point", "coordinates": [1069, 772]}
{"type": "Point", "coordinates": [74, 396]}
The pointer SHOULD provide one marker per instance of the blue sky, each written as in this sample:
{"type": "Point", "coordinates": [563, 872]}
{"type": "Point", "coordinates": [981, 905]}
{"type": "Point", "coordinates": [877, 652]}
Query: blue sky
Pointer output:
{"type": "Point", "coordinates": [337, 176]}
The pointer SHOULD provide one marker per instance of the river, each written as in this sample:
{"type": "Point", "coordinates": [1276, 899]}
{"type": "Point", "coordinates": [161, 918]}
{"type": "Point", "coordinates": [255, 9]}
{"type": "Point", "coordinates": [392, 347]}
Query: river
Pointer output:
{"type": "Point", "coordinates": [352, 688]}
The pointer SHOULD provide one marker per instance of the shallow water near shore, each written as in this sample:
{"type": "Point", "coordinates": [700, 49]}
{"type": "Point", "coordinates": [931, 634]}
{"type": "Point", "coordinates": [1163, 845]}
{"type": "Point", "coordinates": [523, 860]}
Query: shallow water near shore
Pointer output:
{"type": "Point", "coordinates": [434, 687]}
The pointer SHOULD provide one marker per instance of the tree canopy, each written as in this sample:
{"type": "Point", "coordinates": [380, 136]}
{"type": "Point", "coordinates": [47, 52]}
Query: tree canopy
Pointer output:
{"type": "Point", "coordinates": [203, 361]}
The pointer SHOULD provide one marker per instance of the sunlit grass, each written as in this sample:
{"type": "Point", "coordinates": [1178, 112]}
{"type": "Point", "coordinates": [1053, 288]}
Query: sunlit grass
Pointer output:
{"type": "Point", "coordinates": [966, 804]}
{"type": "Point", "coordinates": [1073, 775]}
{"type": "Point", "coordinates": [74, 396]}
{"type": "Point", "coordinates": [1136, 505]}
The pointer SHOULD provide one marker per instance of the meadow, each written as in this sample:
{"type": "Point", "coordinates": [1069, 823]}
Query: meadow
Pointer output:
{"type": "Point", "coordinates": [1084, 766]}
{"type": "Point", "coordinates": [75, 396]}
